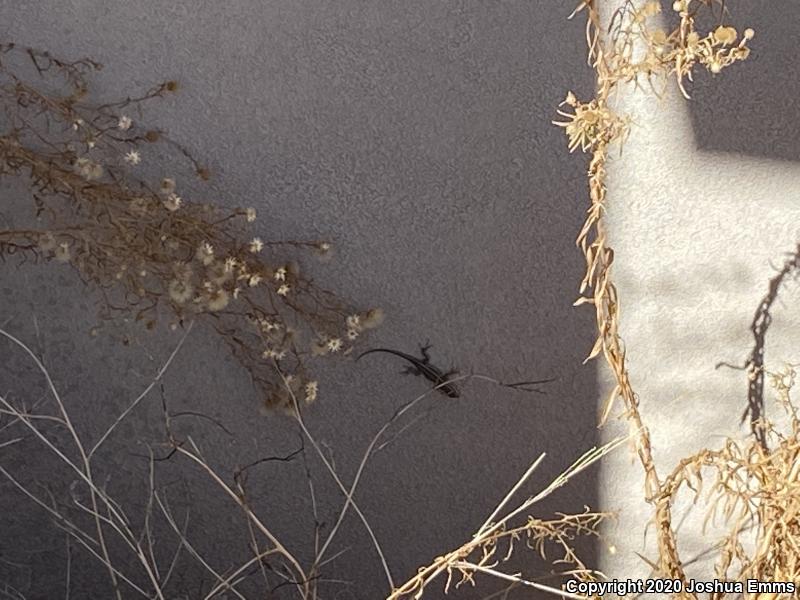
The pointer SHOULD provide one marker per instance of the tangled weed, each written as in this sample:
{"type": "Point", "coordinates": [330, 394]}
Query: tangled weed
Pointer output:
{"type": "Point", "coordinates": [151, 249]}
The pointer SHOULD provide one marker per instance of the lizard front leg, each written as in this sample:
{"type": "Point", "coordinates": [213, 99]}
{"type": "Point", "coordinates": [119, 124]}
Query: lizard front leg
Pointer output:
{"type": "Point", "coordinates": [426, 357]}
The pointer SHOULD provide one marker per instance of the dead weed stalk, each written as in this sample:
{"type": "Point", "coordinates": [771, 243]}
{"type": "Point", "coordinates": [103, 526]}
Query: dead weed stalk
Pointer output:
{"type": "Point", "coordinates": [750, 481]}
{"type": "Point", "coordinates": [494, 542]}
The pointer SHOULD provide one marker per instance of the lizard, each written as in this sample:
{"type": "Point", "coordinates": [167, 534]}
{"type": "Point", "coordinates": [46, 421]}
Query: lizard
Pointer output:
{"type": "Point", "coordinates": [422, 366]}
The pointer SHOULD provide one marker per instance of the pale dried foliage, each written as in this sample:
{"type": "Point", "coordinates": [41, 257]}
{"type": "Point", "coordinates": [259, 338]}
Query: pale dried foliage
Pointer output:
{"type": "Point", "coordinates": [494, 542]}
{"type": "Point", "coordinates": [751, 484]}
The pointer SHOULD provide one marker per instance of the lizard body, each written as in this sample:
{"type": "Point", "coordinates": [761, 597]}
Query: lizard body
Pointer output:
{"type": "Point", "coordinates": [422, 366]}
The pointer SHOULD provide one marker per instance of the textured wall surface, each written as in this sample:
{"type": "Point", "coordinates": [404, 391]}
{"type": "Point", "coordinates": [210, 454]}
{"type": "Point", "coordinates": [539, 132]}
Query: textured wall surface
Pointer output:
{"type": "Point", "coordinates": [416, 136]}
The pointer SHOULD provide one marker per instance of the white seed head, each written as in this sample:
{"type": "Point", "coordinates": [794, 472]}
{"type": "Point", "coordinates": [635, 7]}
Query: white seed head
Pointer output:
{"type": "Point", "coordinates": [125, 123]}
{"type": "Point", "coordinates": [256, 245]}
{"type": "Point", "coordinates": [133, 157]}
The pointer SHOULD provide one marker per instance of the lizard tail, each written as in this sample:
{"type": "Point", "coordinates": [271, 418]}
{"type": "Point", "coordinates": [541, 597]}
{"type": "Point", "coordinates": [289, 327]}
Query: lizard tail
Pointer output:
{"type": "Point", "coordinates": [369, 352]}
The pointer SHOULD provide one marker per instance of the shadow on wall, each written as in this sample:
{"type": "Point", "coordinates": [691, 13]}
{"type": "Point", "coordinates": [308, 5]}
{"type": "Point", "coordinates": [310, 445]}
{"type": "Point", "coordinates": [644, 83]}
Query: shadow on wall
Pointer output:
{"type": "Point", "coordinates": [751, 110]}
{"type": "Point", "coordinates": [755, 410]}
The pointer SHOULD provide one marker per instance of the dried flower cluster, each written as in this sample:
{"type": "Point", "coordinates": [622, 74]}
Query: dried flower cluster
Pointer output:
{"type": "Point", "coordinates": [590, 124]}
{"type": "Point", "coordinates": [640, 49]}
{"type": "Point", "coordinates": [155, 250]}
{"type": "Point", "coordinates": [636, 50]}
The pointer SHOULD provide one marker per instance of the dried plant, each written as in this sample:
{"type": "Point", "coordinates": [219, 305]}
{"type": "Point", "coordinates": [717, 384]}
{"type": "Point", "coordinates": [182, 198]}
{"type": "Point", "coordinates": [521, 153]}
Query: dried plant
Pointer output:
{"type": "Point", "coordinates": [134, 556]}
{"type": "Point", "coordinates": [145, 248]}
{"type": "Point", "coordinates": [752, 484]}
{"type": "Point", "coordinates": [494, 542]}
{"type": "Point", "coordinates": [628, 51]}
{"type": "Point", "coordinates": [151, 252]}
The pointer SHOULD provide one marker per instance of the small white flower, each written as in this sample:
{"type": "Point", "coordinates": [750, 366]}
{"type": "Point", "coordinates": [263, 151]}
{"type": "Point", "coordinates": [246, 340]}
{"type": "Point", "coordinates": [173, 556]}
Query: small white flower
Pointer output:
{"type": "Point", "coordinates": [311, 391]}
{"type": "Point", "coordinates": [88, 169]}
{"type": "Point", "coordinates": [205, 253]}
{"type": "Point", "coordinates": [267, 325]}
{"type": "Point", "coordinates": [250, 214]}
{"type": "Point", "coordinates": [270, 353]}
{"type": "Point", "coordinates": [230, 264]}
{"type": "Point", "coordinates": [280, 274]}
{"type": "Point", "coordinates": [352, 334]}
{"type": "Point", "coordinates": [323, 250]}
{"type": "Point", "coordinates": [256, 245]}
{"type": "Point", "coordinates": [133, 157]}
{"type": "Point", "coordinates": [254, 280]}
{"type": "Point", "coordinates": [333, 344]}
{"type": "Point", "coordinates": [180, 291]}
{"type": "Point", "coordinates": [90, 144]}
{"type": "Point", "coordinates": [63, 253]}
{"type": "Point", "coordinates": [218, 300]}
{"type": "Point", "coordinates": [173, 202]}
{"type": "Point", "coordinates": [354, 322]}
{"type": "Point", "coordinates": [125, 123]}
{"type": "Point", "coordinates": [236, 291]}
{"type": "Point", "coordinates": [283, 290]}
